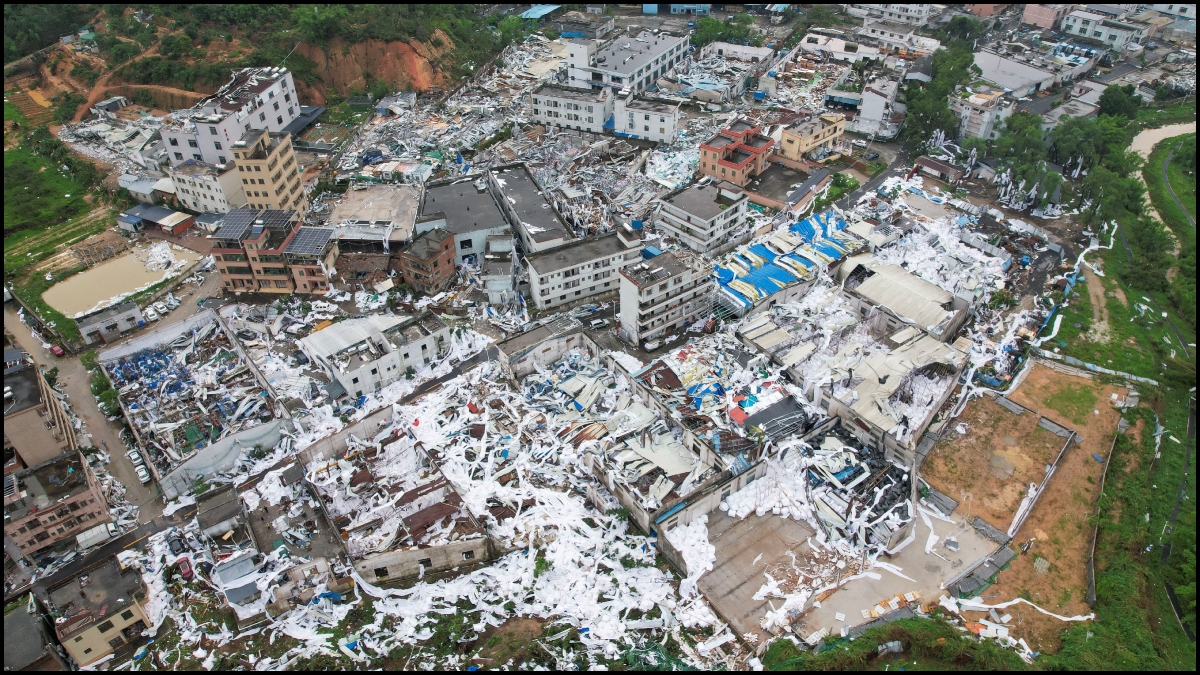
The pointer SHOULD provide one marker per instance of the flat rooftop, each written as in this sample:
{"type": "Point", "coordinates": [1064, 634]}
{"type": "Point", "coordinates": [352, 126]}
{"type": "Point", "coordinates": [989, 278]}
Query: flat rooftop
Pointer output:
{"type": "Point", "coordinates": [582, 95]}
{"type": "Point", "coordinates": [100, 592]}
{"type": "Point", "coordinates": [537, 215]}
{"type": "Point", "coordinates": [24, 386]}
{"type": "Point", "coordinates": [627, 55]}
{"type": "Point", "coordinates": [467, 207]}
{"type": "Point", "coordinates": [662, 267]}
{"type": "Point", "coordinates": [577, 253]}
{"type": "Point", "coordinates": [531, 338]}
{"type": "Point", "coordinates": [703, 201]}
{"type": "Point", "coordinates": [396, 204]}
{"type": "Point", "coordinates": [777, 181]}
{"type": "Point", "coordinates": [651, 106]}
{"type": "Point", "coordinates": [45, 484]}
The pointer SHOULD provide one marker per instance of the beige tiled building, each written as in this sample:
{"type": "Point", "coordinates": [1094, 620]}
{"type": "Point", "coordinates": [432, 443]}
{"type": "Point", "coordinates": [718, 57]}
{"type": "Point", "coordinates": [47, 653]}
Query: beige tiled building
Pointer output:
{"type": "Point", "coordinates": [36, 427]}
{"type": "Point", "coordinates": [818, 133]}
{"type": "Point", "coordinates": [268, 171]}
{"type": "Point", "coordinates": [100, 610]}
{"type": "Point", "coordinates": [52, 502]}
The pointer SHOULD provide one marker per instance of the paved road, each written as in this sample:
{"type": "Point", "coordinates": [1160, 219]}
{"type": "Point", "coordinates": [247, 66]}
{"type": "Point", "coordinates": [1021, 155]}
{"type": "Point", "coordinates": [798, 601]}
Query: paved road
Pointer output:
{"type": "Point", "coordinates": [1186, 213]}
{"type": "Point", "coordinates": [88, 559]}
{"type": "Point", "coordinates": [898, 167]}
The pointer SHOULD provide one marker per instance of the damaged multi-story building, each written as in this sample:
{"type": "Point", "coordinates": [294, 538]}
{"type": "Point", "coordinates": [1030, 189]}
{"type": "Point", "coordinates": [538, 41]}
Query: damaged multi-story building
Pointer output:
{"type": "Point", "coordinates": [365, 354]}
{"type": "Point", "coordinates": [255, 99]}
{"type": "Point", "coordinates": [664, 295]}
{"type": "Point", "coordinates": [52, 502]}
{"type": "Point", "coordinates": [624, 62]}
{"type": "Point", "coordinates": [582, 269]}
{"type": "Point", "coordinates": [572, 108]}
{"type": "Point", "coordinates": [466, 208]}
{"type": "Point", "coordinates": [249, 248]}
{"type": "Point", "coordinates": [812, 138]}
{"type": "Point", "coordinates": [705, 218]}
{"type": "Point", "coordinates": [36, 428]}
{"type": "Point", "coordinates": [737, 153]}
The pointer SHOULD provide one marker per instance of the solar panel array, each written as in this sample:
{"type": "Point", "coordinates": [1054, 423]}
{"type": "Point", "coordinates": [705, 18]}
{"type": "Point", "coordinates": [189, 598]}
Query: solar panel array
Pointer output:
{"type": "Point", "coordinates": [276, 219]}
{"type": "Point", "coordinates": [310, 241]}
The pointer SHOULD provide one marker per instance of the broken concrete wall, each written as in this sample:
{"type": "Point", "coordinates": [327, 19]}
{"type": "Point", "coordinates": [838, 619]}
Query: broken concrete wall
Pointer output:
{"type": "Point", "coordinates": [334, 446]}
{"type": "Point", "coordinates": [356, 268]}
{"type": "Point", "coordinates": [519, 366]}
{"type": "Point", "coordinates": [395, 566]}
{"type": "Point", "coordinates": [219, 456]}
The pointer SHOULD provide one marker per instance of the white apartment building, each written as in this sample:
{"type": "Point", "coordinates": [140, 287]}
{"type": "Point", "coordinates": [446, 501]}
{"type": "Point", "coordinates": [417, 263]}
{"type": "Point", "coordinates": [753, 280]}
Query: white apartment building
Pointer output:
{"type": "Point", "coordinates": [207, 188]}
{"type": "Point", "coordinates": [624, 62]}
{"type": "Point", "coordinates": [982, 112]}
{"type": "Point", "coordinates": [701, 217]}
{"type": "Point", "coordinates": [572, 108]}
{"type": "Point", "coordinates": [878, 114]}
{"type": "Point", "coordinates": [581, 269]}
{"type": "Point", "coordinates": [649, 120]}
{"type": "Point", "coordinates": [256, 98]}
{"type": "Point", "coordinates": [1186, 11]}
{"type": "Point", "coordinates": [664, 295]}
{"type": "Point", "coordinates": [1099, 28]}
{"type": "Point", "coordinates": [366, 354]}
{"type": "Point", "coordinates": [917, 15]}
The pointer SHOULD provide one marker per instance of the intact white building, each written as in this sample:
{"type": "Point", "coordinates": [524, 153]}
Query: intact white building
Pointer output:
{"type": "Point", "coordinates": [642, 118]}
{"type": "Point", "coordinates": [206, 188]}
{"type": "Point", "coordinates": [366, 354]}
{"type": "Point", "coordinates": [624, 62]}
{"type": "Point", "coordinates": [572, 108]}
{"type": "Point", "coordinates": [664, 295]}
{"type": "Point", "coordinates": [1187, 11]}
{"type": "Point", "coordinates": [879, 113]}
{"type": "Point", "coordinates": [256, 98]}
{"type": "Point", "coordinates": [581, 269]}
{"type": "Point", "coordinates": [917, 15]}
{"type": "Point", "coordinates": [1098, 27]}
{"type": "Point", "coordinates": [981, 112]}
{"type": "Point", "coordinates": [702, 216]}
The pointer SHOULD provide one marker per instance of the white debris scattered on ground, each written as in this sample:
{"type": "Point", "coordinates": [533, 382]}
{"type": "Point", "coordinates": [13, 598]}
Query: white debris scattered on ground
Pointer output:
{"type": "Point", "coordinates": [698, 554]}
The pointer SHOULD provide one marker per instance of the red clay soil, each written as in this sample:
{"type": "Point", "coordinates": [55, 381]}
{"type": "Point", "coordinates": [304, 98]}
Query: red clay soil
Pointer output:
{"type": "Point", "coordinates": [404, 65]}
{"type": "Point", "coordinates": [1059, 523]}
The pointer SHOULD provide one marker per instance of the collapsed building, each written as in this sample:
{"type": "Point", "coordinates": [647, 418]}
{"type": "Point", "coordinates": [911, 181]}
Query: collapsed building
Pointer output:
{"type": "Point", "coordinates": [192, 397]}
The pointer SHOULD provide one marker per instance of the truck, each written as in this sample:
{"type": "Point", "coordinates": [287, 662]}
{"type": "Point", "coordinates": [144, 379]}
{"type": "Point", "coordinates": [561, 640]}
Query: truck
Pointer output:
{"type": "Point", "coordinates": [95, 535]}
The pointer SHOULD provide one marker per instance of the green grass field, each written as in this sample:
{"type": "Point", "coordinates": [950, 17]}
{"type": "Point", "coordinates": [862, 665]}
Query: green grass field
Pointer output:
{"type": "Point", "coordinates": [36, 194]}
{"type": "Point", "coordinates": [13, 113]}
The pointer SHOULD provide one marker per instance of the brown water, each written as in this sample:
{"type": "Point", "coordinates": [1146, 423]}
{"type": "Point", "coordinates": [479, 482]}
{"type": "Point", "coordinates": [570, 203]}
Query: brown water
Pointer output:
{"type": "Point", "coordinates": [124, 274]}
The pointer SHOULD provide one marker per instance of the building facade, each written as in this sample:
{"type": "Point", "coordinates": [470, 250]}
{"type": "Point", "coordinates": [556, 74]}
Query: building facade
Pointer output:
{"type": "Point", "coordinates": [1044, 16]}
{"type": "Point", "coordinates": [364, 355]}
{"type": "Point", "coordinates": [428, 264]}
{"type": "Point", "coordinates": [811, 137]}
{"type": "Point", "coordinates": [255, 99]}
{"type": "Point", "coordinates": [99, 611]}
{"type": "Point", "coordinates": [581, 269]}
{"type": "Point", "coordinates": [249, 250]}
{"type": "Point", "coordinates": [110, 324]}
{"type": "Point", "coordinates": [917, 15]}
{"type": "Point", "coordinates": [52, 502]}
{"type": "Point", "coordinates": [36, 428]}
{"type": "Point", "coordinates": [981, 113]}
{"type": "Point", "coordinates": [267, 168]}
{"type": "Point", "coordinates": [642, 118]}
{"type": "Point", "coordinates": [701, 217]}
{"type": "Point", "coordinates": [572, 108]}
{"type": "Point", "coordinates": [310, 255]}
{"type": "Point", "coordinates": [624, 62]}
{"type": "Point", "coordinates": [1098, 28]}
{"type": "Point", "coordinates": [207, 188]}
{"type": "Point", "coordinates": [664, 294]}
{"type": "Point", "coordinates": [736, 154]}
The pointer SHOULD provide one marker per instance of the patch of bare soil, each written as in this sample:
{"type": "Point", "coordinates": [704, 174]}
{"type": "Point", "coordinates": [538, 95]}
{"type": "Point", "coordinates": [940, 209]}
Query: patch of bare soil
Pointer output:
{"type": "Point", "coordinates": [1059, 525]}
{"type": "Point", "coordinates": [506, 645]}
{"type": "Point", "coordinates": [988, 470]}
{"type": "Point", "coordinates": [1099, 331]}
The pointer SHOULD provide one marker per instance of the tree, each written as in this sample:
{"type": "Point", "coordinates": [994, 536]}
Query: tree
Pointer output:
{"type": "Point", "coordinates": [315, 23]}
{"type": "Point", "coordinates": [511, 29]}
{"type": "Point", "coordinates": [821, 16]}
{"type": "Point", "coordinates": [1121, 101]}
{"type": "Point", "coordinates": [1020, 146]}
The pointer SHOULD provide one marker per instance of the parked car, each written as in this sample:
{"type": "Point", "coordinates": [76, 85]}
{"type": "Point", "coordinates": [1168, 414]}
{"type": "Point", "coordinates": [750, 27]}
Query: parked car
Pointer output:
{"type": "Point", "coordinates": [185, 569]}
{"type": "Point", "coordinates": [871, 156]}
{"type": "Point", "coordinates": [652, 345]}
{"type": "Point", "coordinates": [135, 457]}
{"type": "Point", "coordinates": [161, 308]}
{"type": "Point", "coordinates": [598, 324]}
{"type": "Point", "coordinates": [171, 301]}
{"type": "Point", "coordinates": [175, 543]}
{"type": "Point", "coordinates": [149, 314]}
{"type": "Point", "coordinates": [57, 351]}
{"type": "Point", "coordinates": [142, 474]}
{"type": "Point", "coordinates": [859, 143]}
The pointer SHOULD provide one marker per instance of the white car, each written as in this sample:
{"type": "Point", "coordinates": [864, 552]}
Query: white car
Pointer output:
{"type": "Point", "coordinates": [135, 457]}
{"type": "Point", "coordinates": [161, 308]}
{"type": "Point", "coordinates": [652, 345]}
{"type": "Point", "coordinates": [598, 324]}
{"type": "Point", "coordinates": [150, 314]}
{"type": "Point", "coordinates": [142, 474]}
{"type": "Point", "coordinates": [859, 143]}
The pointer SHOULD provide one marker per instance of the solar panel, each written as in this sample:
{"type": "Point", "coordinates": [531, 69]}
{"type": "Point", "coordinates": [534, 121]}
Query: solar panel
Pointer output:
{"type": "Point", "coordinates": [310, 241]}
{"type": "Point", "coordinates": [275, 219]}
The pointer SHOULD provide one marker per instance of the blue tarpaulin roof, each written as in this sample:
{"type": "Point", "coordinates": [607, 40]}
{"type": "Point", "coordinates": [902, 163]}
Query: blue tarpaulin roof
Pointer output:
{"type": "Point", "coordinates": [538, 11]}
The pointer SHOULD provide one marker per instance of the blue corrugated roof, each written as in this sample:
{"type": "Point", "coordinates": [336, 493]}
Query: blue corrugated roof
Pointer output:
{"type": "Point", "coordinates": [538, 11]}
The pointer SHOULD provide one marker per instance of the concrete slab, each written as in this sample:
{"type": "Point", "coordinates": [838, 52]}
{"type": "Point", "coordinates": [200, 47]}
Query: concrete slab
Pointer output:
{"type": "Point", "coordinates": [777, 181]}
{"type": "Point", "coordinates": [927, 572]}
{"type": "Point", "coordinates": [735, 577]}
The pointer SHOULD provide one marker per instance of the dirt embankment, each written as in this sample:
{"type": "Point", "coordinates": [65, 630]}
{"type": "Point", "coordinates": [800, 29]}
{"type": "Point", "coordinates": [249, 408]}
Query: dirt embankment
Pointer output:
{"type": "Point", "coordinates": [404, 65]}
